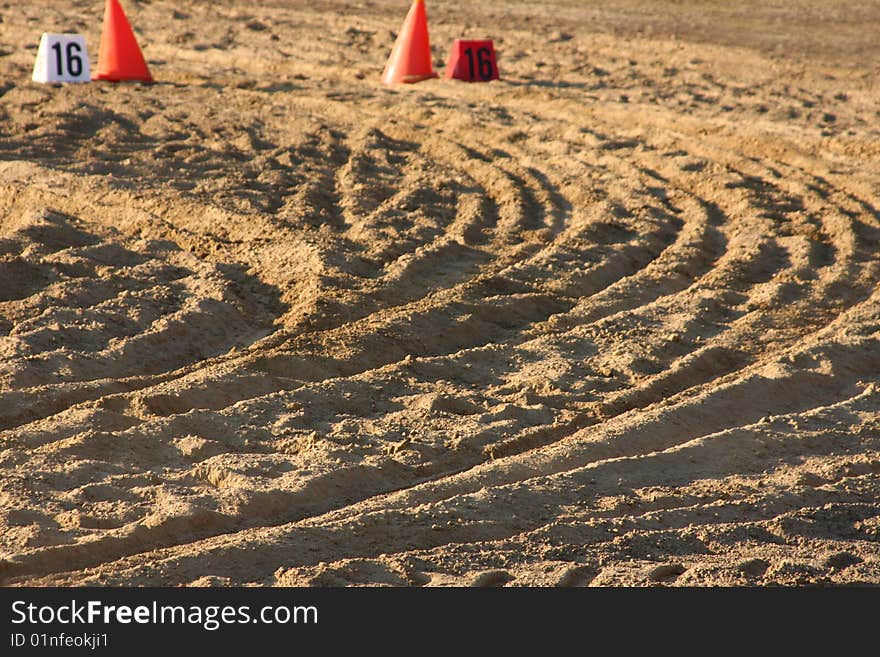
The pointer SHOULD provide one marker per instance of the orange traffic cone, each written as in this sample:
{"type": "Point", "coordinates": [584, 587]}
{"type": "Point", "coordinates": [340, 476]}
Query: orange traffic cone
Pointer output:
{"type": "Point", "coordinates": [410, 59]}
{"type": "Point", "coordinates": [119, 57]}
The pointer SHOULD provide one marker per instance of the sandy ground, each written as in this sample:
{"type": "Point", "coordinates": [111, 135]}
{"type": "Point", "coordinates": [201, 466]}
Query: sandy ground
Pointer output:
{"type": "Point", "coordinates": [613, 320]}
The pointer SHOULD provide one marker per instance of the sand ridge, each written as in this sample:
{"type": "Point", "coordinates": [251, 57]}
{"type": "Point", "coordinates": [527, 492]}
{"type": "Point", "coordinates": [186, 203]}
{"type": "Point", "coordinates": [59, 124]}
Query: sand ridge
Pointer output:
{"type": "Point", "coordinates": [610, 320]}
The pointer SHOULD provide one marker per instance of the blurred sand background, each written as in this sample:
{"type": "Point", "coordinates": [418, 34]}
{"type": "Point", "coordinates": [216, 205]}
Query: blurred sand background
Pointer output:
{"type": "Point", "coordinates": [613, 320]}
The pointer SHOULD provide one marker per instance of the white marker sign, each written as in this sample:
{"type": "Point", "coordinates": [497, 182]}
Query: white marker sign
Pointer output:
{"type": "Point", "coordinates": [62, 58]}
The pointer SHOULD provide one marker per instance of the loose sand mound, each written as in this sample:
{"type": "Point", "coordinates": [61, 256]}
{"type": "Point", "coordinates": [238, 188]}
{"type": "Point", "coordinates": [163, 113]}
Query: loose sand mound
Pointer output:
{"type": "Point", "coordinates": [613, 320]}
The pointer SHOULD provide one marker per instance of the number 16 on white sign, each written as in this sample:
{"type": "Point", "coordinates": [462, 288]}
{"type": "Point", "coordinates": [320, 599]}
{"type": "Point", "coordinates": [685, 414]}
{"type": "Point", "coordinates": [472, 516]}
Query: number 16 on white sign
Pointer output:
{"type": "Point", "coordinates": [62, 58]}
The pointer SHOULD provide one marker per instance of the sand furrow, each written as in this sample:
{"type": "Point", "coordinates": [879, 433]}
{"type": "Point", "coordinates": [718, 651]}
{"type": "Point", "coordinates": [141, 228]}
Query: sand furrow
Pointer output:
{"type": "Point", "coordinates": [611, 319]}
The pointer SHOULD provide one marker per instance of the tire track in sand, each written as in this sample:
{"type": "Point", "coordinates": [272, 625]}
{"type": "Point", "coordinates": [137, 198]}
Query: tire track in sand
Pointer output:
{"type": "Point", "coordinates": [379, 342]}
